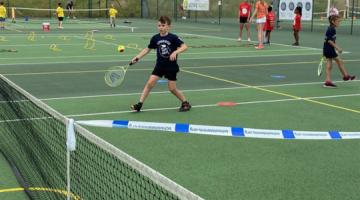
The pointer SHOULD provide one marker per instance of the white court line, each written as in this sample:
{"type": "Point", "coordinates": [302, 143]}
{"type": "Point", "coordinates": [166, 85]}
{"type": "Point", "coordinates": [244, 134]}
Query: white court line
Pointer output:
{"type": "Point", "coordinates": [42, 63]}
{"type": "Point", "coordinates": [198, 90]}
{"type": "Point", "coordinates": [24, 45]}
{"type": "Point", "coordinates": [105, 23]}
{"type": "Point", "coordinates": [271, 43]}
{"type": "Point", "coordinates": [213, 105]}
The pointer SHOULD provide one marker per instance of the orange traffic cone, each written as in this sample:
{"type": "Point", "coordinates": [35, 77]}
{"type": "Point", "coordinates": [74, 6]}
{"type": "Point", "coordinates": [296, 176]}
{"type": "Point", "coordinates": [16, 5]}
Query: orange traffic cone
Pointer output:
{"type": "Point", "coordinates": [321, 18]}
{"type": "Point", "coordinates": [354, 17]}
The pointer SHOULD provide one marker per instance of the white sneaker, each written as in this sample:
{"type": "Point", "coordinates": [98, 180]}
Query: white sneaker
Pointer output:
{"type": "Point", "coordinates": [68, 17]}
{"type": "Point", "coordinates": [184, 17]}
{"type": "Point", "coordinates": [239, 40]}
{"type": "Point", "coordinates": [248, 40]}
{"type": "Point", "coordinates": [74, 17]}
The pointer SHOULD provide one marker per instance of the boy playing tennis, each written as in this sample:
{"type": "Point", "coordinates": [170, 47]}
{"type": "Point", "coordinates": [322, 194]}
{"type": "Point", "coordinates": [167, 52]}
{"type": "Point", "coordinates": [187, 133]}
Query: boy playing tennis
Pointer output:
{"type": "Point", "coordinates": [330, 54]}
{"type": "Point", "coordinates": [112, 13]}
{"type": "Point", "coordinates": [70, 9]}
{"type": "Point", "coordinates": [166, 45]}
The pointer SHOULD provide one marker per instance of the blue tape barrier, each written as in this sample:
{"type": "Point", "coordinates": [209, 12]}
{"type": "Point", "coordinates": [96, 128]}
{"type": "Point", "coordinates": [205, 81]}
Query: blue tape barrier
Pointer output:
{"type": "Point", "coordinates": [222, 130]}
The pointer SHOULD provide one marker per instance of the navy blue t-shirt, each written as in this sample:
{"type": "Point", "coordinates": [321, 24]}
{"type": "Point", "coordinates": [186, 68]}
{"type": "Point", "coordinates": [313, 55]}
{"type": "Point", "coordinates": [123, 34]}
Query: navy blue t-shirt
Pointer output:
{"type": "Point", "coordinates": [69, 5]}
{"type": "Point", "coordinates": [330, 35]}
{"type": "Point", "coordinates": [165, 46]}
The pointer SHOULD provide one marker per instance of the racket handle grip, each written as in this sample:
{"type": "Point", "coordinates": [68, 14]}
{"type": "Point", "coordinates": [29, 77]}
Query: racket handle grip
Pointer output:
{"type": "Point", "coordinates": [136, 59]}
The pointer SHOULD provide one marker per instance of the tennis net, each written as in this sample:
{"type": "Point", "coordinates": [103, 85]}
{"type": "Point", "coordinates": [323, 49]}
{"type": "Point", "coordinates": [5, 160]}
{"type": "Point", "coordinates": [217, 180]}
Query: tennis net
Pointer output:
{"type": "Point", "coordinates": [33, 139]}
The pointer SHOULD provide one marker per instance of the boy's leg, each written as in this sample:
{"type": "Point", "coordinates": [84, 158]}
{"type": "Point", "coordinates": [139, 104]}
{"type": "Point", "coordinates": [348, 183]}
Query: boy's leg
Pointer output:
{"type": "Point", "coordinates": [150, 84]}
{"type": "Point", "coordinates": [268, 36]}
{"type": "Point", "coordinates": [175, 91]}
{"type": "Point", "coordinates": [341, 65]}
{"type": "Point", "coordinates": [328, 68]}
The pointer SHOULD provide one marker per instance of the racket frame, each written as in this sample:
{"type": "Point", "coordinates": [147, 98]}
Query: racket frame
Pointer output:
{"type": "Point", "coordinates": [320, 66]}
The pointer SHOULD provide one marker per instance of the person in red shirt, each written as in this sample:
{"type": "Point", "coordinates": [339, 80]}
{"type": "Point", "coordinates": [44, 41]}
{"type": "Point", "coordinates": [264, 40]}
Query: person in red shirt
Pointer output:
{"type": "Point", "coordinates": [269, 25]}
{"type": "Point", "coordinates": [244, 14]}
{"type": "Point", "coordinates": [297, 25]}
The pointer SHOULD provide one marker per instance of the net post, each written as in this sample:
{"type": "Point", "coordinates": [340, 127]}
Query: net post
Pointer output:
{"type": "Point", "coordinates": [220, 7]}
{"type": "Point", "coordinates": [71, 146]}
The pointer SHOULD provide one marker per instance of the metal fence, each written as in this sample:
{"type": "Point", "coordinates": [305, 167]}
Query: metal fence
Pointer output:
{"type": "Point", "coordinates": [225, 12]}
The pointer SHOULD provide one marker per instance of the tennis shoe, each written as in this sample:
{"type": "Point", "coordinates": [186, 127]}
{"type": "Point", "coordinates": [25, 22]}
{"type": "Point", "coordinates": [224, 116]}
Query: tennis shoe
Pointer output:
{"type": "Point", "coordinates": [136, 107]}
{"type": "Point", "coordinates": [185, 106]}
{"type": "Point", "coordinates": [239, 40]}
{"type": "Point", "coordinates": [329, 85]}
{"type": "Point", "coordinates": [267, 43]}
{"type": "Point", "coordinates": [295, 44]}
{"type": "Point", "coordinates": [68, 17]}
{"type": "Point", "coordinates": [248, 40]}
{"type": "Point", "coordinates": [74, 17]}
{"type": "Point", "coordinates": [349, 78]}
{"type": "Point", "coordinates": [259, 47]}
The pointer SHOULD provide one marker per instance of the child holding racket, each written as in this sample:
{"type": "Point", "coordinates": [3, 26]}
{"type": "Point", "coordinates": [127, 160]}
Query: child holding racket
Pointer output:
{"type": "Point", "coordinates": [330, 54]}
{"type": "Point", "coordinates": [112, 13]}
{"type": "Point", "coordinates": [261, 11]}
{"type": "Point", "coordinates": [297, 24]}
{"type": "Point", "coordinates": [166, 45]}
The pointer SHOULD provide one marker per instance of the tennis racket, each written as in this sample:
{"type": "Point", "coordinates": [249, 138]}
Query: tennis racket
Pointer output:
{"type": "Point", "coordinates": [320, 66]}
{"type": "Point", "coordinates": [116, 75]}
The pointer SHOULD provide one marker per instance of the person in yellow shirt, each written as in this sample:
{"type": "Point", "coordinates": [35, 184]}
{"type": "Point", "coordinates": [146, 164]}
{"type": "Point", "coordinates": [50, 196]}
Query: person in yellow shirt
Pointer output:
{"type": "Point", "coordinates": [112, 13]}
{"type": "Point", "coordinates": [60, 14]}
{"type": "Point", "coordinates": [2, 14]}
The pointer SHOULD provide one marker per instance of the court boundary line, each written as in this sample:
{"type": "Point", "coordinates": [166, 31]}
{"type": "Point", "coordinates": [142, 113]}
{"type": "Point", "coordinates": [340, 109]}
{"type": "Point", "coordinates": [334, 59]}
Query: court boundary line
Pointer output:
{"type": "Point", "coordinates": [44, 63]}
{"type": "Point", "coordinates": [198, 90]}
{"type": "Point", "coordinates": [271, 43]}
{"type": "Point", "coordinates": [107, 55]}
{"type": "Point", "coordinates": [212, 105]}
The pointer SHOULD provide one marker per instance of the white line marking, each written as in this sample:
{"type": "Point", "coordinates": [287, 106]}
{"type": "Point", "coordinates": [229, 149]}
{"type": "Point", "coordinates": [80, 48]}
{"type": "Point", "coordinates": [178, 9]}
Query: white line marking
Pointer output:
{"type": "Point", "coordinates": [205, 58]}
{"type": "Point", "coordinates": [198, 90]}
{"type": "Point", "coordinates": [213, 105]}
{"type": "Point", "coordinates": [271, 43]}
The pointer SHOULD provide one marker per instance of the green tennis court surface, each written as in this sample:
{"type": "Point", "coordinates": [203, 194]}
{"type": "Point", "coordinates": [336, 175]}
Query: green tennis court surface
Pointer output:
{"type": "Point", "coordinates": [215, 70]}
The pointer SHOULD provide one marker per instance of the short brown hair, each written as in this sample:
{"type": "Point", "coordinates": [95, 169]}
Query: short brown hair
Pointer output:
{"type": "Point", "coordinates": [333, 18]}
{"type": "Point", "coordinates": [165, 20]}
{"type": "Point", "coordinates": [1, 3]}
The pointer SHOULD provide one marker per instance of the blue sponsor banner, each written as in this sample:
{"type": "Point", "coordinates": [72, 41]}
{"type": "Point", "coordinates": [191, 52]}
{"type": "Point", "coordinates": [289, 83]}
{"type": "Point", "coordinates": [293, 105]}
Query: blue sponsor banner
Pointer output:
{"type": "Point", "coordinates": [224, 131]}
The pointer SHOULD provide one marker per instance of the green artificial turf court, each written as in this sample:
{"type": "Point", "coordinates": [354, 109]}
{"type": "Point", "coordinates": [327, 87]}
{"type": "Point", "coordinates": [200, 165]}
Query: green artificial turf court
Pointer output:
{"type": "Point", "coordinates": [214, 70]}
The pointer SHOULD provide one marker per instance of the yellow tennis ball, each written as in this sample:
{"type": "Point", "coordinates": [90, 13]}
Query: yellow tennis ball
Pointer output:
{"type": "Point", "coordinates": [42, 37]}
{"type": "Point", "coordinates": [121, 48]}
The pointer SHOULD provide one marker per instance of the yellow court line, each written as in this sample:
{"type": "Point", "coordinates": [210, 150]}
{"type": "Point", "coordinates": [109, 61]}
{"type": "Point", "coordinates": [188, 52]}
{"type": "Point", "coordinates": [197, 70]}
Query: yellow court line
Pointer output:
{"type": "Point", "coordinates": [42, 189]}
{"type": "Point", "coordinates": [200, 67]}
{"type": "Point", "coordinates": [274, 92]}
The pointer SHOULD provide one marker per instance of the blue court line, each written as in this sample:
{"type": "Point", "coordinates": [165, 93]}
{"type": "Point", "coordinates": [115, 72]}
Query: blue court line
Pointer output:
{"type": "Point", "coordinates": [223, 130]}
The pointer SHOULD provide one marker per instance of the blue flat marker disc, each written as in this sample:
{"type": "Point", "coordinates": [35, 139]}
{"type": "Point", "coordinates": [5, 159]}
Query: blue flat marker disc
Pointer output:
{"type": "Point", "coordinates": [277, 76]}
{"type": "Point", "coordinates": [162, 81]}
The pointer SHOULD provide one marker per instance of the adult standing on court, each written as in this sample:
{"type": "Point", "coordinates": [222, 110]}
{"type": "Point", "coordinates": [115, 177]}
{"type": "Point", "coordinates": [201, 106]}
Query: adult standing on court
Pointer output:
{"type": "Point", "coordinates": [60, 14]}
{"type": "Point", "coordinates": [70, 9]}
{"type": "Point", "coordinates": [244, 13]}
{"type": "Point", "coordinates": [2, 14]}
{"type": "Point", "coordinates": [261, 11]}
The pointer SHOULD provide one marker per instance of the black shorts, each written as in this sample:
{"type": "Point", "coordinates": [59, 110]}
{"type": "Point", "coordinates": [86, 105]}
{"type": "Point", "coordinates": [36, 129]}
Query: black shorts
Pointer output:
{"type": "Point", "coordinates": [170, 75]}
{"type": "Point", "coordinates": [268, 31]}
{"type": "Point", "coordinates": [330, 53]}
{"type": "Point", "coordinates": [243, 19]}
{"type": "Point", "coordinates": [60, 18]}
